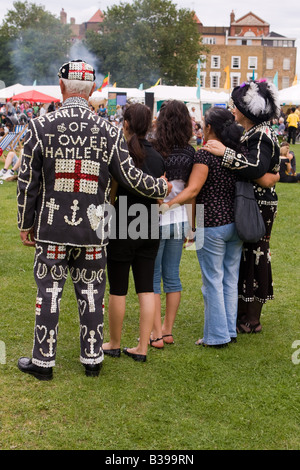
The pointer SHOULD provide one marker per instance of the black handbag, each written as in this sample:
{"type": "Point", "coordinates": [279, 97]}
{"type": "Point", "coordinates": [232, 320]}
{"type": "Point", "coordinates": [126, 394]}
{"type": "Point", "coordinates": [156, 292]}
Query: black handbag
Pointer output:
{"type": "Point", "coordinates": [249, 222]}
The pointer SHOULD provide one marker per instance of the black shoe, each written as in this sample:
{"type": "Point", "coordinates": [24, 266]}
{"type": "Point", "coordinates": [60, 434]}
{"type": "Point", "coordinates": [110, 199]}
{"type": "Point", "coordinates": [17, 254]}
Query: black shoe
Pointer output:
{"type": "Point", "coordinates": [40, 373]}
{"type": "Point", "coordinates": [136, 357]}
{"type": "Point", "coordinates": [92, 370]}
{"type": "Point", "coordinates": [112, 352]}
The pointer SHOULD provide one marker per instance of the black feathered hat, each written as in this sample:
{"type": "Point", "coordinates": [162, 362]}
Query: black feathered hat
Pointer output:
{"type": "Point", "coordinates": [258, 100]}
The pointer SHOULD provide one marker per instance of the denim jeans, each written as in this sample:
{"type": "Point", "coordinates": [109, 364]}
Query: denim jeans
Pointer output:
{"type": "Point", "coordinates": [168, 258]}
{"type": "Point", "coordinates": [219, 260]}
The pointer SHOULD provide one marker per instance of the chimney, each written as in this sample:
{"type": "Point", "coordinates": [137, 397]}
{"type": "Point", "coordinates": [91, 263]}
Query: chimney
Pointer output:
{"type": "Point", "coordinates": [232, 17]}
{"type": "Point", "coordinates": [63, 16]}
{"type": "Point", "coordinates": [72, 20]}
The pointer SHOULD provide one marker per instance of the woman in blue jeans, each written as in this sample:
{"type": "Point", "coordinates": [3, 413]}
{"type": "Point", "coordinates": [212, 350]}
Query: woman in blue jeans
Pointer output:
{"type": "Point", "coordinates": [213, 186]}
{"type": "Point", "coordinates": [173, 133]}
{"type": "Point", "coordinates": [219, 256]}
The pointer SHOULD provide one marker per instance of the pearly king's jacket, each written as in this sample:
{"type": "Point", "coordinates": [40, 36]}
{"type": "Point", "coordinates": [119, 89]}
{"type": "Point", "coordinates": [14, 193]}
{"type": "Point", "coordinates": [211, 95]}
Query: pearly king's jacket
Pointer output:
{"type": "Point", "coordinates": [68, 160]}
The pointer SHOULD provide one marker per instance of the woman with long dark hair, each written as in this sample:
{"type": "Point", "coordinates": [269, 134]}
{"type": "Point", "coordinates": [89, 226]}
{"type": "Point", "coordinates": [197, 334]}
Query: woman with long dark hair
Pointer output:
{"type": "Point", "coordinates": [135, 250]}
{"type": "Point", "coordinates": [173, 132]}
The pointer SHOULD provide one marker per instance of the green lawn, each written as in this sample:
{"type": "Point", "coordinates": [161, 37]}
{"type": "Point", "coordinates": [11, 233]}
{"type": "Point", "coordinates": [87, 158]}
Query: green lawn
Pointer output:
{"type": "Point", "coordinates": [184, 397]}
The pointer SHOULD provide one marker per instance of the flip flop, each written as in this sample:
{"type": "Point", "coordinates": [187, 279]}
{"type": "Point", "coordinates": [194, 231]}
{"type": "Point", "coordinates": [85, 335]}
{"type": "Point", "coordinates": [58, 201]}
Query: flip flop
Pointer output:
{"type": "Point", "coordinates": [167, 336]}
{"type": "Point", "coordinates": [154, 341]}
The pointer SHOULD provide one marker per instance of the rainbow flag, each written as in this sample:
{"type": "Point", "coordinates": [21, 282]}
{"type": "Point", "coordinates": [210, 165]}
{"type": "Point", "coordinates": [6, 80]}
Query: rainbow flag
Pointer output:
{"type": "Point", "coordinates": [104, 83]}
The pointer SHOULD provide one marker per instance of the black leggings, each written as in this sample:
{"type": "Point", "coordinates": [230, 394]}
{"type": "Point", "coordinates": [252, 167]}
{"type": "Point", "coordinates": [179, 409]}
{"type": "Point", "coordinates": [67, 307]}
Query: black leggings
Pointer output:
{"type": "Point", "coordinates": [140, 254]}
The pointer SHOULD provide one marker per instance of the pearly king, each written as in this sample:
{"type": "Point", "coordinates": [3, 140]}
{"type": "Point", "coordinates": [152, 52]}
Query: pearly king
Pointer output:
{"type": "Point", "coordinates": [64, 183]}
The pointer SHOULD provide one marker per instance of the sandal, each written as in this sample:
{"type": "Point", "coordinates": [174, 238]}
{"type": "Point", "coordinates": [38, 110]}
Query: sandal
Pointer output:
{"type": "Point", "coordinates": [167, 336]}
{"type": "Point", "coordinates": [248, 328]}
{"type": "Point", "coordinates": [200, 342]}
{"type": "Point", "coordinates": [154, 341]}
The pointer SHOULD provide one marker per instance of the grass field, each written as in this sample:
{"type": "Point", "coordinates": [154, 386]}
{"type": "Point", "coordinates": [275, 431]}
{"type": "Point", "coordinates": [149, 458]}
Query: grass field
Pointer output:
{"type": "Point", "coordinates": [184, 397]}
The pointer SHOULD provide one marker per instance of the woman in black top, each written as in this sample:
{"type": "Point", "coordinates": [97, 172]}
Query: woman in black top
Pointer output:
{"type": "Point", "coordinates": [217, 243]}
{"type": "Point", "coordinates": [131, 244]}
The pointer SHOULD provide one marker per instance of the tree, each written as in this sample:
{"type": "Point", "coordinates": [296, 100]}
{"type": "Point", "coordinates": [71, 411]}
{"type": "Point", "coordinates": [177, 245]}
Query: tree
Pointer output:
{"type": "Point", "coordinates": [6, 69]}
{"type": "Point", "coordinates": [147, 40]}
{"type": "Point", "coordinates": [36, 44]}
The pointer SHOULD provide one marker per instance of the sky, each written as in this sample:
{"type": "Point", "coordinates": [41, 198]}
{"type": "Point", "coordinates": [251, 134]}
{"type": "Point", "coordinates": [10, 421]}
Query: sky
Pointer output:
{"type": "Point", "coordinates": [282, 17]}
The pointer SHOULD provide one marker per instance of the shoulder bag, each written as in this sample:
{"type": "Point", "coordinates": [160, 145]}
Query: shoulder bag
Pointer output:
{"type": "Point", "coordinates": [249, 222]}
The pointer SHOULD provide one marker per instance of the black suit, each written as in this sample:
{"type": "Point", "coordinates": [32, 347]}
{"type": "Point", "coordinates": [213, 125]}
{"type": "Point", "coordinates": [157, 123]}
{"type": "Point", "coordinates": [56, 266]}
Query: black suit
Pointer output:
{"type": "Point", "coordinates": [63, 186]}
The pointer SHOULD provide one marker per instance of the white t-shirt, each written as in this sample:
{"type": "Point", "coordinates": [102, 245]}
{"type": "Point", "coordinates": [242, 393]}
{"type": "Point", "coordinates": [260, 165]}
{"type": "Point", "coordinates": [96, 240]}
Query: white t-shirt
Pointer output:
{"type": "Point", "coordinates": [179, 214]}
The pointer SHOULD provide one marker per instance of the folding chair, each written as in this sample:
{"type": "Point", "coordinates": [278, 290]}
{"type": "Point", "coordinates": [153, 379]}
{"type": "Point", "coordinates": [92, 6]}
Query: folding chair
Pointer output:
{"type": "Point", "coordinates": [12, 139]}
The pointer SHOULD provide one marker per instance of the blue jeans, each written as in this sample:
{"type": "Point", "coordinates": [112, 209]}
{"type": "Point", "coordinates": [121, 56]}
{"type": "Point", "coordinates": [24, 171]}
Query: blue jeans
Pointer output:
{"type": "Point", "coordinates": [168, 258]}
{"type": "Point", "coordinates": [219, 260]}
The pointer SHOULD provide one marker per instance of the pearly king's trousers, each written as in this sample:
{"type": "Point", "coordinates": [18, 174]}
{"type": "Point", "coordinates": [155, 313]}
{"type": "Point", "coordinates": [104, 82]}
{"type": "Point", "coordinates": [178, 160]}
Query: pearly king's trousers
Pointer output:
{"type": "Point", "coordinates": [86, 266]}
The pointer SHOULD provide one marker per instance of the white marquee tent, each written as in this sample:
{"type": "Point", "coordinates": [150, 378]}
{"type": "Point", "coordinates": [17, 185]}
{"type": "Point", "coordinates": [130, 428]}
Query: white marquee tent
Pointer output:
{"type": "Point", "coordinates": [189, 96]}
{"type": "Point", "coordinates": [290, 95]}
{"type": "Point", "coordinates": [161, 93]}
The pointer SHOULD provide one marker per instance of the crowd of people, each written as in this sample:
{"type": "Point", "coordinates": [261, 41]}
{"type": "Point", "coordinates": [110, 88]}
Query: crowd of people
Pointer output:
{"type": "Point", "coordinates": [12, 115]}
{"type": "Point", "coordinates": [287, 126]}
{"type": "Point", "coordinates": [20, 112]}
{"type": "Point", "coordinates": [61, 199]}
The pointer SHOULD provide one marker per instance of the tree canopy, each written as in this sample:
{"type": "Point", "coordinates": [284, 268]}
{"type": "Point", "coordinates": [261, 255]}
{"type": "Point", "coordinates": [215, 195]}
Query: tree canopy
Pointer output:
{"type": "Point", "coordinates": [35, 44]}
{"type": "Point", "coordinates": [147, 40]}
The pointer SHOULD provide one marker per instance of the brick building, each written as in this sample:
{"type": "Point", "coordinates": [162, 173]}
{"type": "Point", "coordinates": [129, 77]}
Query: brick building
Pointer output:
{"type": "Point", "coordinates": [244, 49]}
{"type": "Point", "coordinates": [78, 30]}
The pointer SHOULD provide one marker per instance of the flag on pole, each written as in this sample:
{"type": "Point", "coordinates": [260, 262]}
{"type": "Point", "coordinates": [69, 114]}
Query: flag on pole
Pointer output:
{"type": "Point", "coordinates": [104, 83]}
{"type": "Point", "coordinates": [295, 81]}
{"type": "Point", "coordinates": [157, 83]}
{"type": "Point", "coordinates": [227, 80]}
{"type": "Point", "coordinates": [198, 79]}
{"type": "Point", "coordinates": [275, 79]}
